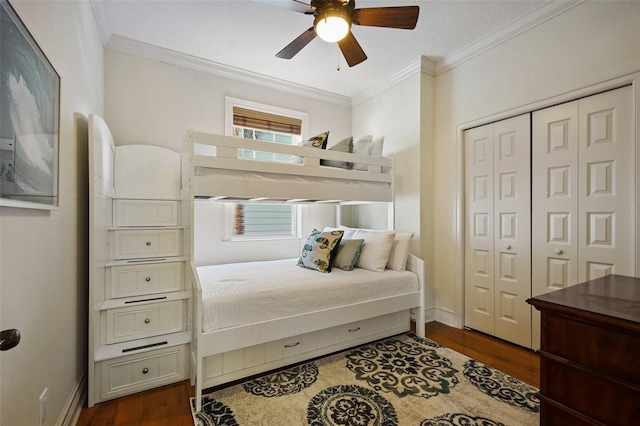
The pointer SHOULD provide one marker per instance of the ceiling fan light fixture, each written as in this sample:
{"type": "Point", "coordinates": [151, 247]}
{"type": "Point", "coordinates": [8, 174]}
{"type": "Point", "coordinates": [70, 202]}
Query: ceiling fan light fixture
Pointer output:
{"type": "Point", "coordinates": [331, 25]}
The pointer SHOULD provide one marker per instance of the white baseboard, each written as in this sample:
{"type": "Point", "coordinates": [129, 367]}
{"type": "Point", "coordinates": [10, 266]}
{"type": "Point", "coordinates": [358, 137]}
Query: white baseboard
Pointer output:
{"type": "Point", "coordinates": [446, 317]}
{"type": "Point", "coordinates": [73, 407]}
{"type": "Point", "coordinates": [440, 315]}
{"type": "Point", "coordinates": [430, 314]}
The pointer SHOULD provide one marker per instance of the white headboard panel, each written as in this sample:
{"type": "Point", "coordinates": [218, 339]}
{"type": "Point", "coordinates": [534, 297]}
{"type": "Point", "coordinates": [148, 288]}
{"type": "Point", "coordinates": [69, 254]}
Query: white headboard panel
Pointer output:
{"type": "Point", "coordinates": [147, 172]}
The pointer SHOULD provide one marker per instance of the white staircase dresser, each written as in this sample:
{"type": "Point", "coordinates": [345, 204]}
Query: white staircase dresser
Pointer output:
{"type": "Point", "coordinates": [139, 306]}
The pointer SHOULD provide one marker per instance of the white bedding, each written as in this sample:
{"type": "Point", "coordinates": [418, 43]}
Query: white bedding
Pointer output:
{"type": "Point", "coordinates": [244, 293]}
{"type": "Point", "coordinates": [250, 176]}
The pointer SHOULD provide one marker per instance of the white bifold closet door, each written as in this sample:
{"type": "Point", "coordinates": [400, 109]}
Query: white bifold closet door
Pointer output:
{"type": "Point", "coordinates": [584, 193]}
{"type": "Point", "coordinates": [498, 229]}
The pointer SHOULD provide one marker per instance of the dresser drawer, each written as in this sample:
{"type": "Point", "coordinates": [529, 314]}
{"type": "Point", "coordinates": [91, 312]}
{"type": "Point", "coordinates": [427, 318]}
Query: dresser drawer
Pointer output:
{"type": "Point", "coordinates": [136, 322]}
{"type": "Point", "coordinates": [605, 349]}
{"type": "Point", "coordinates": [137, 280]}
{"type": "Point", "coordinates": [132, 244]}
{"type": "Point", "coordinates": [134, 373]}
{"type": "Point", "coordinates": [145, 213]}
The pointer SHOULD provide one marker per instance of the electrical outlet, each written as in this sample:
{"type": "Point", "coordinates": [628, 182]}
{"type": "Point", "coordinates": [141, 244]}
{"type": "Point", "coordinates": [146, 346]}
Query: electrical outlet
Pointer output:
{"type": "Point", "coordinates": [44, 396]}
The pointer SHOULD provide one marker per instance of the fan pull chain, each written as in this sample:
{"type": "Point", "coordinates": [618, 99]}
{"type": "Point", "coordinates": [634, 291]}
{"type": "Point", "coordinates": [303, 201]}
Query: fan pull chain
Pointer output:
{"type": "Point", "coordinates": [338, 66]}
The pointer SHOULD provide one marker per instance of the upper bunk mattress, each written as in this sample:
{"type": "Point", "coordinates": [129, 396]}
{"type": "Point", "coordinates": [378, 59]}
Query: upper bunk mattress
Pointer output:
{"type": "Point", "coordinates": [245, 293]}
{"type": "Point", "coordinates": [251, 184]}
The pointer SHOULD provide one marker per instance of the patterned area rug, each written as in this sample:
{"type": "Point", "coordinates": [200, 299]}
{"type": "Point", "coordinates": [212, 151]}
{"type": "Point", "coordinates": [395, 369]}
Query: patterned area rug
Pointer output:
{"type": "Point", "coordinates": [402, 380]}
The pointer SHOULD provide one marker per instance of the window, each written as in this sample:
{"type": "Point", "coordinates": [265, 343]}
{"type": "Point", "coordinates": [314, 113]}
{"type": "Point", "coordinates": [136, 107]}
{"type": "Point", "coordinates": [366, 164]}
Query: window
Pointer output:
{"type": "Point", "coordinates": [250, 120]}
{"type": "Point", "coordinates": [267, 136]}
{"type": "Point", "coordinates": [258, 220]}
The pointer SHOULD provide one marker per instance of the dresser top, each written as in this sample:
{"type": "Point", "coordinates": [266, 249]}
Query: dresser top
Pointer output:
{"type": "Point", "coordinates": [615, 297]}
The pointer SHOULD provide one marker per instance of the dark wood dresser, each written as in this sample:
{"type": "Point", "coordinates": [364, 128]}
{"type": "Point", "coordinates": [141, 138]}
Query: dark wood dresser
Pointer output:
{"type": "Point", "coordinates": [590, 353]}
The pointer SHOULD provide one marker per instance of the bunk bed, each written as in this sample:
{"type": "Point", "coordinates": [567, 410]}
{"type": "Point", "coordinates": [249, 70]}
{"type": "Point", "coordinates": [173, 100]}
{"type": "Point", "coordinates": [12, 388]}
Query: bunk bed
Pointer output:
{"type": "Point", "coordinates": [225, 349]}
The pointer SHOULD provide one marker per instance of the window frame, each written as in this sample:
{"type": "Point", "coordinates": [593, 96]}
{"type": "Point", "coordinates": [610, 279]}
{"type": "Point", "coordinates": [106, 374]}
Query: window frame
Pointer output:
{"type": "Point", "coordinates": [230, 103]}
{"type": "Point", "coordinates": [230, 222]}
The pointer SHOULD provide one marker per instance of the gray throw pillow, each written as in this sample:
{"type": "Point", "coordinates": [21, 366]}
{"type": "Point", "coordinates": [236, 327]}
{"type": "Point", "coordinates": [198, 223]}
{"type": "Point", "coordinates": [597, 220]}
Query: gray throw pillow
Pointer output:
{"type": "Point", "coordinates": [345, 145]}
{"type": "Point", "coordinates": [348, 254]}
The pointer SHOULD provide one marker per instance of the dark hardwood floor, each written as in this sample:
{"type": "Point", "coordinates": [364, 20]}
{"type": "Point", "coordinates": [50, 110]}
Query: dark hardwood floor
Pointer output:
{"type": "Point", "coordinates": [169, 405]}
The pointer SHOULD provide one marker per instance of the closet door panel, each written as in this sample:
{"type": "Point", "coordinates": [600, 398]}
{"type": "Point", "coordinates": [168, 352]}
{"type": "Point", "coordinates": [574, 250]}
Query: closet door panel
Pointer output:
{"type": "Point", "coordinates": [555, 197]}
{"type": "Point", "coordinates": [584, 193]}
{"type": "Point", "coordinates": [555, 203]}
{"type": "Point", "coordinates": [512, 229]}
{"type": "Point", "coordinates": [607, 185]}
{"type": "Point", "coordinates": [479, 257]}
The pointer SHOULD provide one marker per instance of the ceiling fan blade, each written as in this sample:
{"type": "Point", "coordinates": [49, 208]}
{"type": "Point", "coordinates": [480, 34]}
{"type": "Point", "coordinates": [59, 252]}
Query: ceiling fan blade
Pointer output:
{"type": "Point", "coordinates": [402, 17]}
{"type": "Point", "coordinates": [296, 45]}
{"type": "Point", "coordinates": [295, 5]}
{"type": "Point", "coordinates": [351, 50]}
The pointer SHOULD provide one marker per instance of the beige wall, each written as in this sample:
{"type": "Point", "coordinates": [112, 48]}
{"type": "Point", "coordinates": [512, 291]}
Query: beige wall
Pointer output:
{"type": "Point", "coordinates": [590, 43]}
{"type": "Point", "coordinates": [403, 113]}
{"type": "Point", "coordinates": [150, 102]}
{"type": "Point", "coordinates": [147, 101]}
{"type": "Point", "coordinates": [395, 114]}
{"type": "Point", "coordinates": [43, 257]}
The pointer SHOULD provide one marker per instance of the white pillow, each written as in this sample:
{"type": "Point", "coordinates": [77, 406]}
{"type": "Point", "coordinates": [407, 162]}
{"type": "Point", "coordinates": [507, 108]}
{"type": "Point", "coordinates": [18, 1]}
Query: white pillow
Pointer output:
{"type": "Point", "coordinates": [377, 247]}
{"type": "Point", "coordinates": [348, 232]}
{"type": "Point", "coordinates": [376, 146]}
{"type": "Point", "coordinates": [400, 251]}
{"type": "Point", "coordinates": [362, 147]}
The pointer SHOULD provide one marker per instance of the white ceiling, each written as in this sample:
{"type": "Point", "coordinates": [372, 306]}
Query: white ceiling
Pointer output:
{"type": "Point", "coordinates": [246, 35]}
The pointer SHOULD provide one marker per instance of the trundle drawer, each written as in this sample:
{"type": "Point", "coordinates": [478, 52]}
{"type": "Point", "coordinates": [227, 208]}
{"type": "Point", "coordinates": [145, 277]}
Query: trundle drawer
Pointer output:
{"type": "Point", "coordinates": [134, 373]}
{"type": "Point", "coordinates": [292, 349]}
{"type": "Point", "coordinates": [360, 329]}
{"type": "Point", "coordinates": [133, 244]}
{"type": "Point", "coordinates": [145, 213]}
{"type": "Point", "coordinates": [136, 280]}
{"type": "Point", "coordinates": [136, 322]}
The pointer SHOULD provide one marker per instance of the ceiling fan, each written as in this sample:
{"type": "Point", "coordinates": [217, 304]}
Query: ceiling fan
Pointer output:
{"type": "Point", "coordinates": [333, 20]}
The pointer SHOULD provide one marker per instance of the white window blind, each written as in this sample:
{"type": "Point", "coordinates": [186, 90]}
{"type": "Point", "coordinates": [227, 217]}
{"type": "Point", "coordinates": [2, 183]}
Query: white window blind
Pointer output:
{"type": "Point", "coordinates": [264, 220]}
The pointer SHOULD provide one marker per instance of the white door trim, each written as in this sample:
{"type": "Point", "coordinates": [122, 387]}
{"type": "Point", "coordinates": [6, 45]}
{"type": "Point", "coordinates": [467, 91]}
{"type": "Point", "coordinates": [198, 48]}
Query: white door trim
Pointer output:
{"type": "Point", "coordinates": [630, 79]}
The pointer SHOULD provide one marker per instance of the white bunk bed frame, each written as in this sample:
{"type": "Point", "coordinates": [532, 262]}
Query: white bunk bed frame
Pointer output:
{"type": "Point", "coordinates": [220, 152]}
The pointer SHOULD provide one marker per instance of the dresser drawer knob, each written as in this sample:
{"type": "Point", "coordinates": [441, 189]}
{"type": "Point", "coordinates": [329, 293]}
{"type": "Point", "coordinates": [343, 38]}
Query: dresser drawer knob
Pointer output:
{"type": "Point", "coordinates": [353, 330]}
{"type": "Point", "coordinates": [147, 279]}
{"type": "Point", "coordinates": [145, 370]}
{"type": "Point", "coordinates": [147, 321]}
{"type": "Point", "coordinates": [148, 243]}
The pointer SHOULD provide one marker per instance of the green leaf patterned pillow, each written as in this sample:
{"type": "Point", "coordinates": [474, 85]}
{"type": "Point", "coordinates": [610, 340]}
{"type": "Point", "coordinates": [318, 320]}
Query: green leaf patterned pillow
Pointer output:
{"type": "Point", "coordinates": [319, 250]}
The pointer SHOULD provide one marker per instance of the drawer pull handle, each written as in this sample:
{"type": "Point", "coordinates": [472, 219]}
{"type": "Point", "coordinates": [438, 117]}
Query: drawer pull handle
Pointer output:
{"type": "Point", "coordinates": [352, 330]}
{"type": "Point", "coordinates": [148, 243]}
{"type": "Point", "coordinates": [147, 279]}
{"type": "Point", "coordinates": [145, 370]}
{"type": "Point", "coordinates": [292, 346]}
{"type": "Point", "coordinates": [147, 321]}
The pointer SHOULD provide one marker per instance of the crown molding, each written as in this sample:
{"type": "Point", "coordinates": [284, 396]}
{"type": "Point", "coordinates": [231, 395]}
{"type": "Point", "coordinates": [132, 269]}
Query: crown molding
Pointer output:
{"type": "Point", "coordinates": [194, 63]}
{"type": "Point", "coordinates": [536, 17]}
{"type": "Point", "coordinates": [423, 65]}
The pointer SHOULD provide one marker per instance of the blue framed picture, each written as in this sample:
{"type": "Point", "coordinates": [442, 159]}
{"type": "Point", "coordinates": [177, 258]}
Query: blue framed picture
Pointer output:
{"type": "Point", "coordinates": [29, 118]}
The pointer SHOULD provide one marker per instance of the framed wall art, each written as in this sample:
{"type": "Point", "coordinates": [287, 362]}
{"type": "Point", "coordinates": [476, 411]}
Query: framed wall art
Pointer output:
{"type": "Point", "coordinates": [29, 118]}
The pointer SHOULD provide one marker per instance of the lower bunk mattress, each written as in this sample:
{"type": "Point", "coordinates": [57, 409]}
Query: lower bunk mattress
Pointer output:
{"type": "Point", "coordinates": [245, 293]}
